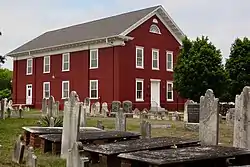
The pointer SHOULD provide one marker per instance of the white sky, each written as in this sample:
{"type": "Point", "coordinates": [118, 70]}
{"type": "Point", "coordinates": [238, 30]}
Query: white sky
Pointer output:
{"type": "Point", "coordinates": [221, 20]}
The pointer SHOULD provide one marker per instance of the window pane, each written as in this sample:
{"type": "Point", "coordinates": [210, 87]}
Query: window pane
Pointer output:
{"type": "Point", "coordinates": [169, 65]}
{"type": "Point", "coordinates": [65, 57]}
{"type": "Point", "coordinates": [170, 88]}
{"type": "Point", "coordinates": [93, 85]}
{"type": "Point", "coordinates": [139, 86]}
{"type": "Point", "coordinates": [46, 94]}
{"type": "Point", "coordinates": [93, 55]}
{"type": "Point", "coordinates": [46, 61]}
{"type": "Point", "coordinates": [155, 65]}
{"type": "Point", "coordinates": [169, 57]}
{"type": "Point", "coordinates": [29, 63]}
{"type": "Point", "coordinates": [93, 93]}
{"type": "Point", "coordinates": [155, 55]}
{"type": "Point", "coordinates": [94, 63]}
{"type": "Point", "coordinates": [65, 66]}
{"type": "Point", "coordinates": [169, 95]}
{"type": "Point", "coordinates": [139, 94]}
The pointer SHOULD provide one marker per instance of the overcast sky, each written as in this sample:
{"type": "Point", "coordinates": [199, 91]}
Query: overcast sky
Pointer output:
{"type": "Point", "coordinates": [23, 20]}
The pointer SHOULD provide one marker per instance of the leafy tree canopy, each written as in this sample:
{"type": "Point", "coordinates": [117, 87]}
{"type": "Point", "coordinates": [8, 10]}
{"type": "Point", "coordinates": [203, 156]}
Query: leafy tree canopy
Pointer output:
{"type": "Point", "coordinates": [199, 67]}
{"type": "Point", "coordinates": [238, 66]}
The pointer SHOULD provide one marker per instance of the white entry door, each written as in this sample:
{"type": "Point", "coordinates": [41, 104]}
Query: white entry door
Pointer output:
{"type": "Point", "coordinates": [155, 93]}
{"type": "Point", "coordinates": [29, 94]}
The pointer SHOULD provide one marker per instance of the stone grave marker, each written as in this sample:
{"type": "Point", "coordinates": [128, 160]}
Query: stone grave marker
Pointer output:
{"type": "Point", "coordinates": [100, 125]}
{"type": "Point", "coordinates": [145, 128]}
{"type": "Point", "coordinates": [98, 108]}
{"type": "Point", "coordinates": [120, 121]}
{"type": "Point", "coordinates": [136, 113]}
{"type": "Point", "coordinates": [51, 102]}
{"type": "Point", "coordinates": [242, 119]}
{"type": "Point", "coordinates": [230, 116]}
{"type": "Point", "coordinates": [20, 111]}
{"type": "Point", "coordinates": [71, 122]}
{"type": "Point", "coordinates": [115, 106]}
{"type": "Point", "coordinates": [55, 112]}
{"type": "Point", "coordinates": [209, 119]}
{"type": "Point", "coordinates": [185, 119]}
{"type": "Point", "coordinates": [44, 107]}
{"type": "Point", "coordinates": [75, 159]}
{"type": "Point", "coordinates": [127, 106]}
{"type": "Point", "coordinates": [93, 110]}
{"type": "Point", "coordinates": [104, 110]}
{"type": "Point", "coordinates": [193, 111]}
{"type": "Point", "coordinates": [86, 103]}
{"type": "Point", "coordinates": [18, 152]}
{"type": "Point", "coordinates": [52, 122]}
{"type": "Point", "coordinates": [83, 120]}
{"type": "Point", "coordinates": [31, 160]}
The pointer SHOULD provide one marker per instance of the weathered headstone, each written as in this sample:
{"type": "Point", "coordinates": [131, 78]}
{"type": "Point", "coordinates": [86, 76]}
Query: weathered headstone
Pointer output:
{"type": "Point", "coordinates": [115, 106]}
{"type": "Point", "coordinates": [18, 152]}
{"type": "Point", "coordinates": [52, 122]}
{"type": "Point", "coordinates": [75, 159]}
{"type": "Point", "coordinates": [51, 102]}
{"type": "Point", "coordinates": [136, 113]}
{"type": "Point", "coordinates": [230, 116]}
{"type": "Point", "coordinates": [44, 107]}
{"type": "Point", "coordinates": [185, 119]}
{"type": "Point", "coordinates": [98, 108]}
{"type": "Point", "coordinates": [83, 120]}
{"type": "Point", "coordinates": [104, 110]}
{"type": "Point", "coordinates": [127, 106]}
{"type": "Point", "coordinates": [100, 125]}
{"type": "Point", "coordinates": [242, 119]}
{"type": "Point", "coordinates": [93, 110]}
{"type": "Point", "coordinates": [20, 111]}
{"type": "Point", "coordinates": [86, 103]}
{"type": "Point", "coordinates": [209, 119]}
{"type": "Point", "coordinates": [71, 122]}
{"type": "Point", "coordinates": [55, 111]}
{"type": "Point", "coordinates": [120, 121]}
{"type": "Point", "coordinates": [145, 128]}
{"type": "Point", "coordinates": [193, 111]}
{"type": "Point", "coordinates": [31, 160]}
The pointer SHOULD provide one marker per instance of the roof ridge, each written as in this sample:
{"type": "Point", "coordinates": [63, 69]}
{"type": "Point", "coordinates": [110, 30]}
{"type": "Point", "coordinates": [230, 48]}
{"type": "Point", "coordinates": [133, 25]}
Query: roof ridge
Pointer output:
{"type": "Point", "coordinates": [103, 18]}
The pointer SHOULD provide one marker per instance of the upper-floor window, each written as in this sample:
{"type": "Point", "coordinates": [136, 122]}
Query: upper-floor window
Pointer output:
{"type": "Point", "coordinates": [170, 92]}
{"type": "Point", "coordinates": [139, 57]}
{"type": "Point", "coordinates": [155, 59]}
{"type": "Point", "coordinates": [170, 64]}
{"type": "Point", "coordinates": [93, 92]}
{"type": "Point", "coordinates": [94, 58]}
{"type": "Point", "coordinates": [65, 62]}
{"type": "Point", "coordinates": [154, 29]}
{"type": "Point", "coordinates": [46, 64]}
{"type": "Point", "coordinates": [29, 66]}
{"type": "Point", "coordinates": [139, 90]}
{"type": "Point", "coordinates": [46, 89]}
{"type": "Point", "coordinates": [65, 89]}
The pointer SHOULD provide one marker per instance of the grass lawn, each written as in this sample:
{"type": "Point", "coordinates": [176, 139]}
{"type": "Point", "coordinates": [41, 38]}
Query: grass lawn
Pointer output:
{"type": "Point", "coordinates": [11, 128]}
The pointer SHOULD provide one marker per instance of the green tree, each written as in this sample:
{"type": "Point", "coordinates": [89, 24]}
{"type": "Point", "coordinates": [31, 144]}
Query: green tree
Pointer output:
{"type": "Point", "coordinates": [5, 83]}
{"type": "Point", "coordinates": [238, 66]}
{"type": "Point", "coordinates": [199, 67]}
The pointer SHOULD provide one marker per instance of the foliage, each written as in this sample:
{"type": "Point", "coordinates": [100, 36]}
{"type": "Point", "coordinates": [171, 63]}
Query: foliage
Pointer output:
{"type": "Point", "coordinates": [199, 67]}
{"type": "Point", "coordinates": [45, 120]}
{"type": "Point", "coordinates": [5, 83]}
{"type": "Point", "coordinates": [238, 66]}
{"type": "Point", "coordinates": [5, 93]}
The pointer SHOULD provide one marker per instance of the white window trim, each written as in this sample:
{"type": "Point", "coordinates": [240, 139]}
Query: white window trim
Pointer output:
{"type": "Point", "coordinates": [45, 64]}
{"type": "Point", "coordinates": [172, 99]}
{"type": "Point", "coordinates": [142, 81]}
{"type": "Point", "coordinates": [158, 29]}
{"type": "Point", "coordinates": [44, 83]}
{"type": "Point", "coordinates": [63, 89]}
{"type": "Point", "coordinates": [158, 57]}
{"type": "Point", "coordinates": [68, 54]}
{"type": "Point", "coordinates": [97, 58]}
{"type": "Point", "coordinates": [97, 87]}
{"type": "Point", "coordinates": [172, 64]}
{"type": "Point", "coordinates": [142, 49]}
{"type": "Point", "coordinates": [27, 73]}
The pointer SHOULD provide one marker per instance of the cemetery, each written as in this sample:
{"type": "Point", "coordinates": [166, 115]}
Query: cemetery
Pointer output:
{"type": "Point", "coordinates": [86, 134]}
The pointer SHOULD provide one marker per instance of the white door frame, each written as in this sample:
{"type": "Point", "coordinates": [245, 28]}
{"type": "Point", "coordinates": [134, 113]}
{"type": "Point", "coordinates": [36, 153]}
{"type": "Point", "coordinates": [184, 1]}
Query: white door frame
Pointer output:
{"type": "Point", "coordinates": [28, 97]}
{"type": "Point", "coordinates": [158, 99]}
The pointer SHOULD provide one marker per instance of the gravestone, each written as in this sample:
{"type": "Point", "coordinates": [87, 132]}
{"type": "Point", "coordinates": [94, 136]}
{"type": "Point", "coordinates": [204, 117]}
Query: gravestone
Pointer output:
{"type": "Point", "coordinates": [185, 119]}
{"type": "Point", "coordinates": [100, 125]}
{"type": "Point", "coordinates": [71, 122]}
{"type": "Point", "coordinates": [242, 119]}
{"type": "Point", "coordinates": [136, 113]}
{"type": "Point", "coordinates": [31, 160]}
{"type": "Point", "coordinates": [86, 103]}
{"type": "Point", "coordinates": [55, 112]}
{"type": "Point", "coordinates": [209, 119]}
{"type": "Point", "coordinates": [44, 107]}
{"type": "Point", "coordinates": [18, 152]}
{"type": "Point", "coordinates": [83, 120]}
{"type": "Point", "coordinates": [193, 111]}
{"type": "Point", "coordinates": [127, 106]}
{"type": "Point", "coordinates": [51, 102]}
{"type": "Point", "coordinates": [52, 122]}
{"type": "Point", "coordinates": [145, 128]}
{"type": "Point", "coordinates": [93, 110]}
{"type": "Point", "coordinates": [75, 159]}
{"type": "Point", "coordinates": [120, 121]}
{"type": "Point", "coordinates": [230, 116]}
{"type": "Point", "coordinates": [98, 108]}
{"type": "Point", "coordinates": [104, 110]}
{"type": "Point", "coordinates": [115, 106]}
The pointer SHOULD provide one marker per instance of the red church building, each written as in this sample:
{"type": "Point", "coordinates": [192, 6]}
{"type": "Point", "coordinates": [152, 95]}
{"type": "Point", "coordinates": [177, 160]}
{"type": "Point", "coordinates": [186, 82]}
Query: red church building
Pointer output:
{"type": "Point", "coordinates": [124, 57]}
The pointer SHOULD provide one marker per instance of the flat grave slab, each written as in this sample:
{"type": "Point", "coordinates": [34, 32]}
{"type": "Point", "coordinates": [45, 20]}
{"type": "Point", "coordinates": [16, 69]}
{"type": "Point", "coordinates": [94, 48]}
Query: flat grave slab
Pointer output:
{"type": "Point", "coordinates": [190, 156]}
{"type": "Point", "coordinates": [106, 154]}
{"type": "Point", "coordinates": [52, 142]}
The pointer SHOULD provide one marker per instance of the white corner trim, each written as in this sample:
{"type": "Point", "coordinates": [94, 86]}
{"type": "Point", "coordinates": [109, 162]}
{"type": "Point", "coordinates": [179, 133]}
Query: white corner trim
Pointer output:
{"type": "Point", "coordinates": [70, 50]}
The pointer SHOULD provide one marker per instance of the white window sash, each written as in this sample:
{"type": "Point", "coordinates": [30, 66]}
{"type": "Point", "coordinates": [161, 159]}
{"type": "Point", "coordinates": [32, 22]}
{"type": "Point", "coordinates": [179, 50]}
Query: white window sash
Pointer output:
{"type": "Point", "coordinates": [46, 64]}
{"type": "Point", "coordinates": [65, 62]}
{"type": "Point", "coordinates": [95, 89]}
{"type": "Point", "coordinates": [172, 63]}
{"type": "Point", "coordinates": [153, 59]}
{"type": "Point", "coordinates": [172, 91]}
{"type": "Point", "coordinates": [64, 96]}
{"type": "Point", "coordinates": [142, 57]}
{"type": "Point", "coordinates": [142, 90]}
{"type": "Point", "coordinates": [91, 58]}
{"type": "Point", "coordinates": [29, 66]}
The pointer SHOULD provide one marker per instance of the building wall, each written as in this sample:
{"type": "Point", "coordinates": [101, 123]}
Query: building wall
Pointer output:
{"type": "Point", "coordinates": [128, 72]}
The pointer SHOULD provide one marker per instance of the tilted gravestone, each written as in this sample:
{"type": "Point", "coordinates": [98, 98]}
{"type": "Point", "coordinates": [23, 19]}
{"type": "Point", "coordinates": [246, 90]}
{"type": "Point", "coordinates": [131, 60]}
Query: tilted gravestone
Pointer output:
{"type": "Point", "coordinates": [18, 152]}
{"type": "Point", "coordinates": [209, 119]}
{"type": "Point", "coordinates": [193, 111]}
{"type": "Point", "coordinates": [31, 160]}
{"type": "Point", "coordinates": [145, 128]}
{"type": "Point", "coordinates": [120, 121]}
{"type": "Point", "coordinates": [71, 123]}
{"type": "Point", "coordinates": [127, 106]}
{"type": "Point", "coordinates": [83, 120]}
{"type": "Point", "coordinates": [242, 119]}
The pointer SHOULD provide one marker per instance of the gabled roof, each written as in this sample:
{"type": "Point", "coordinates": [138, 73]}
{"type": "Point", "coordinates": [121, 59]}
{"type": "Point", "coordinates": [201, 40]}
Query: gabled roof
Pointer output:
{"type": "Point", "coordinates": [119, 25]}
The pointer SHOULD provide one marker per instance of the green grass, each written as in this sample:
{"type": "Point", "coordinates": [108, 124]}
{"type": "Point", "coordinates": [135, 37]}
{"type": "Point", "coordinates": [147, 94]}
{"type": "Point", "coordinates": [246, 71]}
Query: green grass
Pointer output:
{"type": "Point", "coordinates": [11, 128]}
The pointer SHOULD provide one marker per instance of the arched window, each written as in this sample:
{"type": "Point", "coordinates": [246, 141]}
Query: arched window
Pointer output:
{"type": "Point", "coordinates": [154, 29]}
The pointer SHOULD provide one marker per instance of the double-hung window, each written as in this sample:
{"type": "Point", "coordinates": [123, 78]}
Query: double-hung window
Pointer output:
{"type": "Point", "coordinates": [46, 89]}
{"type": "Point", "coordinates": [65, 89]}
{"type": "Point", "coordinates": [170, 61]}
{"type": "Point", "coordinates": [170, 91]}
{"type": "Point", "coordinates": [139, 57]}
{"type": "Point", "coordinates": [93, 58]}
{"type": "Point", "coordinates": [46, 64]}
{"type": "Point", "coordinates": [93, 92]}
{"type": "Point", "coordinates": [29, 66]}
{"type": "Point", "coordinates": [155, 59]}
{"type": "Point", "coordinates": [65, 62]}
{"type": "Point", "coordinates": [139, 90]}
